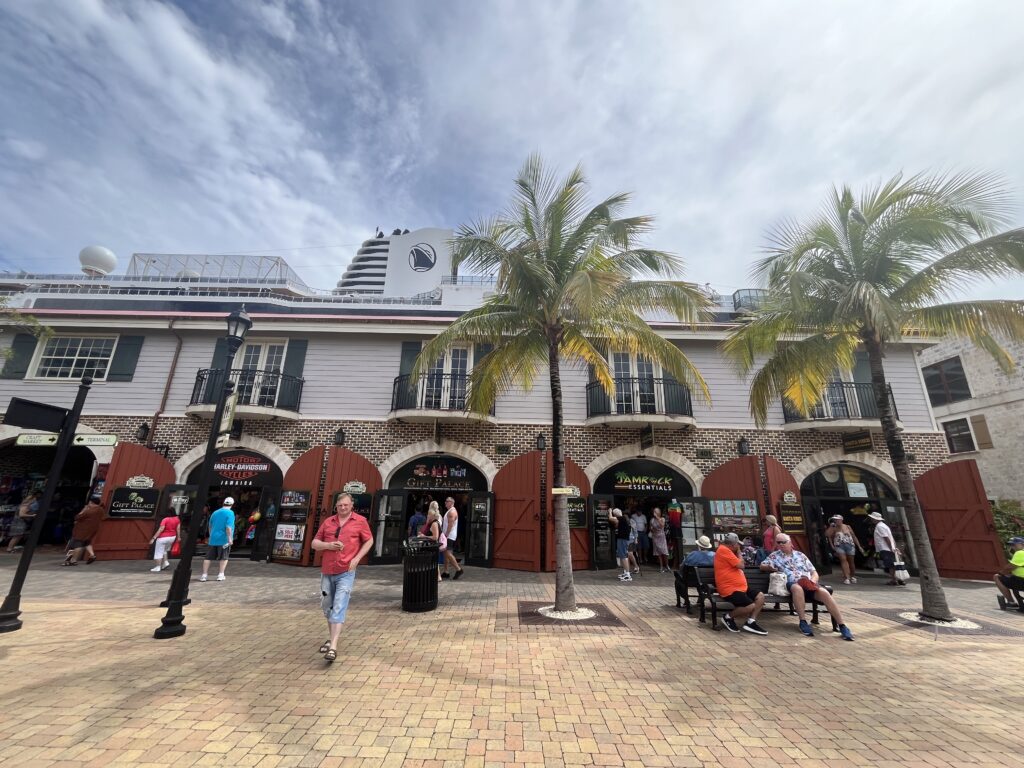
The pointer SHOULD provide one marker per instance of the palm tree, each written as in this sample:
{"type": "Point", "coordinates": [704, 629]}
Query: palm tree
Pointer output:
{"type": "Point", "coordinates": [564, 290]}
{"type": "Point", "coordinates": [866, 272]}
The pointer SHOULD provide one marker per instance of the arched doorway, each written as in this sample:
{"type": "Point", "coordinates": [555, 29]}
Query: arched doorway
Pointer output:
{"type": "Point", "coordinates": [641, 485]}
{"type": "Point", "coordinates": [410, 489]}
{"type": "Point", "coordinates": [853, 492]}
{"type": "Point", "coordinates": [255, 482]}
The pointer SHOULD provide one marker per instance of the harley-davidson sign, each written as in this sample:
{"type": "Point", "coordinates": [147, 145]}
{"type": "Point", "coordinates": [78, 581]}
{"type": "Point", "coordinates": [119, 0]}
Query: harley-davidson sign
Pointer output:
{"type": "Point", "coordinates": [246, 468]}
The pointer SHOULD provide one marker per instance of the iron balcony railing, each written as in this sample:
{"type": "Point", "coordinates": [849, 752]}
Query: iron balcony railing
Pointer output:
{"type": "Point", "coordinates": [431, 391]}
{"type": "Point", "coordinates": [266, 389]}
{"type": "Point", "coordinates": [640, 395]}
{"type": "Point", "coordinates": [842, 400]}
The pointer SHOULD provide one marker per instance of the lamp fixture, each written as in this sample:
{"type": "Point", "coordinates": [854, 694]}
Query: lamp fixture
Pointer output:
{"type": "Point", "coordinates": [142, 432]}
{"type": "Point", "coordinates": [542, 442]}
{"type": "Point", "coordinates": [339, 437]}
{"type": "Point", "coordinates": [239, 324]}
{"type": "Point", "coordinates": [743, 446]}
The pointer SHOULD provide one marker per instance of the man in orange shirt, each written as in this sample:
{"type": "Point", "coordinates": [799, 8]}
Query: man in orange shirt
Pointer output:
{"type": "Point", "coordinates": [731, 583]}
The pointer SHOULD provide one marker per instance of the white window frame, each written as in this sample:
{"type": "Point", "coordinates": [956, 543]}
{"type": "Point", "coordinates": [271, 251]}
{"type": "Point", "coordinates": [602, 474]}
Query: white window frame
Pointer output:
{"type": "Point", "coordinates": [634, 373]}
{"type": "Point", "coordinates": [444, 394]}
{"type": "Point", "coordinates": [37, 356]}
{"type": "Point", "coordinates": [970, 429]}
{"type": "Point", "coordinates": [264, 343]}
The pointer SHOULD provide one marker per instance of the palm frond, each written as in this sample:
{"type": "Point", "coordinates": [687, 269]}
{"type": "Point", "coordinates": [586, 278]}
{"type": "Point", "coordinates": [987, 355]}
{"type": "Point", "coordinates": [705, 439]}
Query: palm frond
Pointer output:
{"type": "Point", "coordinates": [988, 324]}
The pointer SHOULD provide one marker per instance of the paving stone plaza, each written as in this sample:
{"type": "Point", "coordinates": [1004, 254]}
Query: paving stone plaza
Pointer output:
{"type": "Point", "coordinates": [477, 683]}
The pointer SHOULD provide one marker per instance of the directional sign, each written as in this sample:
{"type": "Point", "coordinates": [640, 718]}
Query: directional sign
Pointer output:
{"type": "Point", "coordinates": [570, 490]}
{"type": "Point", "coordinates": [32, 415]}
{"type": "Point", "coordinates": [36, 440]}
{"type": "Point", "coordinates": [95, 440]}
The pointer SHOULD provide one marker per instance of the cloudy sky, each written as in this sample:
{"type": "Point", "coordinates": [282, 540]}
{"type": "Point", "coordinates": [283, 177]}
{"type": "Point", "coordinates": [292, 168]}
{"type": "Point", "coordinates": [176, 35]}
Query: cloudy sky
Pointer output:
{"type": "Point", "coordinates": [295, 127]}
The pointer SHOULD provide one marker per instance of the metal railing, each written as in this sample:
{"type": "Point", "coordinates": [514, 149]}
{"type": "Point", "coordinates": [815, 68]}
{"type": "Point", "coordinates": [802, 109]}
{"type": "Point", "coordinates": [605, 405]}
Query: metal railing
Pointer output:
{"type": "Point", "coordinates": [639, 395]}
{"type": "Point", "coordinates": [842, 400]}
{"type": "Point", "coordinates": [265, 389]}
{"type": "Point", "coordinates": [431, 391]}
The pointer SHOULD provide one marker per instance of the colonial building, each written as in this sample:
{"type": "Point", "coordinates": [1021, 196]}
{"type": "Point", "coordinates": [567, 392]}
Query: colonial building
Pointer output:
{"type": "Point", "coordinates": [326, 402]}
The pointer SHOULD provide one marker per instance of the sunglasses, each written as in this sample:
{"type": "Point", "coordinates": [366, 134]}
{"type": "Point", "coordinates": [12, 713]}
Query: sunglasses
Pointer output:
{"type": "Point", "coordinates": [782, 541]}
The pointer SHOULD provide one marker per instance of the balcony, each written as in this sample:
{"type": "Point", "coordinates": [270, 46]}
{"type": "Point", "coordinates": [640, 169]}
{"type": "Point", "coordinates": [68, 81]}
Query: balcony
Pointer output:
{"type": "Point", "coordinates": [262, 395]}
{"type": "Point", "coordinates": [639, 401]}
{"type": "Point", "coordinates": [845, 406]}
{"type": "Point", "coordinates": [433, 397]}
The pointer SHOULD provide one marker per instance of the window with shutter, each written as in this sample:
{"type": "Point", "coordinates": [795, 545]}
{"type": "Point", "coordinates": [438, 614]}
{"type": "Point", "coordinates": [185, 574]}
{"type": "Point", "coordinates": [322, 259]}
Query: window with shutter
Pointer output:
{"type": "Point", "coordinates": [958, 436]}
{"type": "Point", "coordinates": [982, 437]}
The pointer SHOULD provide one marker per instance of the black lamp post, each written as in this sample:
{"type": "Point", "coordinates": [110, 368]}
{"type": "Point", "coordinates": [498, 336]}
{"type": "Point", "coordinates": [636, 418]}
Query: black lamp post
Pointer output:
{"type": "Point", "coordinates": [171, 624]}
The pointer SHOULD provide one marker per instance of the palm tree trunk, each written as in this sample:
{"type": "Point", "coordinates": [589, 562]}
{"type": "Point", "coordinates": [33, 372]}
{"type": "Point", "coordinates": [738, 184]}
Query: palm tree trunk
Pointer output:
{"type": "Point", "coordinates": [565, 588]}
{"type": "Point", "coordinates": [933, 598]}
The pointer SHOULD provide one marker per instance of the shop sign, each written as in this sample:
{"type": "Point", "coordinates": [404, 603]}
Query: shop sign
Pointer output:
{"type": "Point", "coordinates": [789, 497]}
{"type": "Point", "coordinates": [569, 490]}
{"type": "Point", "coordinates": [645, 476]}
{"type": "Point", "coordinates": [139, 481]}
{"type": "Point", "coordinates": [739, 515]}
{"type": "Point", "coordinates": [576, 509]}
{"type": "Point", "coordinates": [791, 518]}
{"type": "Point", "coordinates": [441, 473]}
{"type": "Point", "coordinates": [354, 486]}
{"type": "Point", "coordinates": [288, 532]}
{"type": "Point", "coordinates": [134, 503]}
{"type": "Point", "coordinates": [855, 442]}
{"type": "Point", "coordinates": [246, 468]}
{"type": "Point", "coordinates": [857, 490]}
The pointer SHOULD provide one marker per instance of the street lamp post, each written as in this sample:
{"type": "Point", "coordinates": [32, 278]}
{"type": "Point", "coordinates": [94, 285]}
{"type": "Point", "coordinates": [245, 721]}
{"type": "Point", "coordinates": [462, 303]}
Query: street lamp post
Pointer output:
{"type": "Point", "coordinates": [171, 624]}
{"type": "Point", "coordinates": [11, 608]}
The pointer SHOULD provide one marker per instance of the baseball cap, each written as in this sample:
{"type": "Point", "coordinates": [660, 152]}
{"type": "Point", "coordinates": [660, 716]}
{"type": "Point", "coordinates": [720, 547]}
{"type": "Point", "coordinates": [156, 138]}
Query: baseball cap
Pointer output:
{"type": "Point", "coordinates": [732, 538]}
{"type": "Point", "coordinates": [1016, 540]}
{"type": "Point", "coordinates": [228, 501]}
{"type": "Point", "coordinates": [704, 542]}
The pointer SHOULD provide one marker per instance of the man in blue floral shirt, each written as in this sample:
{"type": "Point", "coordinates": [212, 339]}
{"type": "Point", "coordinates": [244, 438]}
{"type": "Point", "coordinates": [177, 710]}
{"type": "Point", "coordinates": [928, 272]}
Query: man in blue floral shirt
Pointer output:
{"type": "Point", "coordinates": [803, 584]}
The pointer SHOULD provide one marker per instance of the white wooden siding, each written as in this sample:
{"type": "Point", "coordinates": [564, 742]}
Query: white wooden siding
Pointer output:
{"type": "Point", "coordinates": [901, 371]}
{"type": "Point", "coordinates": [350, 377]}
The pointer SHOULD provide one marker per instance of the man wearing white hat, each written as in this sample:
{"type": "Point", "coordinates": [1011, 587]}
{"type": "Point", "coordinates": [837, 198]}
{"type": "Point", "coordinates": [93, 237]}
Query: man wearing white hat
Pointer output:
{"type": "Point", "coordinates": [222, 533]}
{"type": "Point", "coordinates": [702, 557]}
{"type": "Point", "coordinates": [885, 546]}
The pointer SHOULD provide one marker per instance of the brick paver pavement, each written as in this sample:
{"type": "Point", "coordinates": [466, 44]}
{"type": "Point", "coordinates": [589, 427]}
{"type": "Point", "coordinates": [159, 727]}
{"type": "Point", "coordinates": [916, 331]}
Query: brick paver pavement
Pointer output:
{"type": "Point", "coordinates": [85, 684]}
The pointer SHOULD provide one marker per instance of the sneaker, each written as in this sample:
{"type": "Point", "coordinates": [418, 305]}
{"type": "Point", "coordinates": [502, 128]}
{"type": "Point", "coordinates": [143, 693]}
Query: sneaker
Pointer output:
{"type": "Point", "coordinates": [203, 577]}
{"type": "Point", "coordinates": [806, 628]}
{"type": "Point", "coordinates": [755, 628]}
{"type": "Point", "coordinates": [846, 581]}
{"type": "Point", "coordinates": [730, 623]}
{"type": "Point", "coordinates": [845, 632]}
{"type": "Point", "coordinates": [457, 574]}
{"type": "Point", "coordinates": [220, 577]}
{"type": "Point", "coordinates": [853, 579]}
{"type": "Point", "coordinates": [155, 570]}
{"type": "Point", "coordinates": [165, 566]}
{"type": "Point", "coordinates": [445, 575]}
{"type": "Point", "coordinates": [625, 577]}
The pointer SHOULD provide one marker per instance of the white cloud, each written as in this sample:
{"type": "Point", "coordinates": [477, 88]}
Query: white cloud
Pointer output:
{"type": "Point", "coordinates": [296, 123]}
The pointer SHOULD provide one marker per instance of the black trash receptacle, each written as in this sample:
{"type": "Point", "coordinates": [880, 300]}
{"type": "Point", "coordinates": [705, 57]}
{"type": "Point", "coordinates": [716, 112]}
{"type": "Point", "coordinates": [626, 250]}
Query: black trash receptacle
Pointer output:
{"type": "Point", "coordinates": [419, 574]}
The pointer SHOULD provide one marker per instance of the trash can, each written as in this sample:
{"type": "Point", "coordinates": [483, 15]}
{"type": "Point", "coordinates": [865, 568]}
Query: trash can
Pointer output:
{"type": "Point", "coordinates": [419, 574]}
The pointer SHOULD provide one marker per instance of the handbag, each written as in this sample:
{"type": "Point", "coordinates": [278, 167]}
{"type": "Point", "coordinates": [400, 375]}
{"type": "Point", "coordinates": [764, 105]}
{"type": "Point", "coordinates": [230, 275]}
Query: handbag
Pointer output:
{"type": "Point", "coordinates": [900, 568]}
{"type": "Point", "coordinates": [778, 586]}
{"type": "Point", "coordinates": [176, 549]}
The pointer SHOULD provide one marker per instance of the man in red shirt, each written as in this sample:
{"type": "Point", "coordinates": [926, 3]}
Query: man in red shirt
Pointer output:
{"type": "Point", "coordinates": [344, 539]}
{"type": "Point", "coordinates": [731, 583]}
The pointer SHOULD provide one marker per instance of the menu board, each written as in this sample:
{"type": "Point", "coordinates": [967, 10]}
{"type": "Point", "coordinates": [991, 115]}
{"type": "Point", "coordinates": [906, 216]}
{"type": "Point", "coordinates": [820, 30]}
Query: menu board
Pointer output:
{"type": "Point", "coordinates": [602, 553]}
{"type": "Point", "coordinates": [576, 508]}
{"type": "Point", "coordinates": [292, 525]}
{"type": "Point", "coordinates": [791, 518]}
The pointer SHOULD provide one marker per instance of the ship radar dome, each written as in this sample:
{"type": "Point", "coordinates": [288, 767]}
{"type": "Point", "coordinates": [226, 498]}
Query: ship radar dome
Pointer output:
{"type": "Point", "coordinates": [97, 261]}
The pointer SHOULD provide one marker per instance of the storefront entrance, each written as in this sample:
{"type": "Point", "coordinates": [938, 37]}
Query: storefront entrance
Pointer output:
{"type": "Point", "coordinates": [642, 485]}
{"type": "Point", "coordinates": [254, 482]}
{"type": "Point", "coordinates": [853, 492]}
{"type": "Point", "coordinates": [412, 488]}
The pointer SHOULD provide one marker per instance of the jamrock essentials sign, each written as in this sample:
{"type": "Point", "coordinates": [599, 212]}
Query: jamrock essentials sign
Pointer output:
{"type": "Point", "coordinates": [642, 476]}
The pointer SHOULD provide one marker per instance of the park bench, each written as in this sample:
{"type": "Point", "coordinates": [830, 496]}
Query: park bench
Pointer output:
{"type": "Point", "coordinates": [708, 597]}
{"type": "Point", "coordinates": [1018, 595]}
{"type": "Point", "coordinates": [686, 579]}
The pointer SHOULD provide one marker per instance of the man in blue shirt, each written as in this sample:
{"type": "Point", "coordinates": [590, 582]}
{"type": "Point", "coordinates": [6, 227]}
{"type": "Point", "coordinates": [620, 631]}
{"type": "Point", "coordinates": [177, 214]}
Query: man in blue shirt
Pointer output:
{"type": "Point", "coordinates": [222, 533]}
{"type": "Point", "coordinates": [702, 557]}
{"type": "Point", "coordinates": [416, 522]}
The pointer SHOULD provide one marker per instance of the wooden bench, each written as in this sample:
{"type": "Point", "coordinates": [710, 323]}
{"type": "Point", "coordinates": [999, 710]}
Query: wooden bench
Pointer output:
{"type": "Point", "coordinates": [686, 579]}
{"type": "Point", "coordinates": [757, 580]}
{"type": "Point", "coordinates": [1018, 595]}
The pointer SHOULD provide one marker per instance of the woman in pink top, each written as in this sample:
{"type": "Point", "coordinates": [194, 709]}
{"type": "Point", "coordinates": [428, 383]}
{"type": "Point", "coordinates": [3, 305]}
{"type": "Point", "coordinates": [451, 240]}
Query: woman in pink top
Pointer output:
{"type": "Point", "coordinates": [164, 538]}
{"type": "Point", "coordinates": [772, 529]}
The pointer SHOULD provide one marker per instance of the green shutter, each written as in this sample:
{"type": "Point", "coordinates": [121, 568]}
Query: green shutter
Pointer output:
{"type": "Point", "coordinates": [22, 349]}
{"type": "Point", "coordinates": [410, 351]}
{"type": "Point", "coordinates": [126, 357]}
{"type": "Point", "coordinates": [290, 390]}
{"type": "Point", "coordinates": [405, 396]}
{"type": "Point", "coordinates": [215, 380]}
{"type": "Point", "coordinates": [598, 402]}
{"type": "Point", "coordinates": [480, 351]}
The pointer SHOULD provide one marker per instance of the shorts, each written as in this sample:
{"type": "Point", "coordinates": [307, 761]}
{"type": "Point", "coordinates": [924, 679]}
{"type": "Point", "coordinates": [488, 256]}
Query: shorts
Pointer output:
{"type": "Point", "coordinates": [163, 546]}
{"type": "Point", "coordinates": [336, 589]}
{"type": "Point", "coordinates": [18, 527]}
{"type": "Point", "coordinates": [742, 599]}
{"type": "Point", "coordinates": [79, 543]}
{"type": "Point", "coordinates": [218, 553]}
{"type": "Point", "coordinates": [846, 549]}
{"type": "Point", "coordinates": [888, 559]}
{"type": "Point", "coordinates": [622, 548]}
{"type": "Point", "coordinates": [645, 542]}
{"type": "Point", "coordinates": [1012, 582]}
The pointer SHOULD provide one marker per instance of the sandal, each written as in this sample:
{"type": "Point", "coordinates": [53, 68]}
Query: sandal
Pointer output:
{"type": "Point", "coordinates": [69, 562]}
{"type": "Point", "coordinates": [91, 560]}
{"type": "Point", "coordinates": [331, 655]}
{"type": "Point", "coordinates": [325, 647]}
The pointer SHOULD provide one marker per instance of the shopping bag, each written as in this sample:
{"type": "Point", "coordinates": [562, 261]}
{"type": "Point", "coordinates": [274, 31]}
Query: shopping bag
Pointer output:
{"type": "Point", "coordinates": [176, 549]}
{"type": "Point", "coordinates": [900, 568]}
{"type": "Point", "coordinates": [777, 585]}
